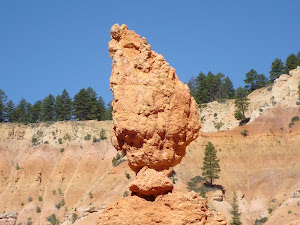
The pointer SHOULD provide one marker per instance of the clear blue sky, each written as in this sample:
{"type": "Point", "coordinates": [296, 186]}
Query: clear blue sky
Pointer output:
{"type": "Point", "coordinates": [48, 46]}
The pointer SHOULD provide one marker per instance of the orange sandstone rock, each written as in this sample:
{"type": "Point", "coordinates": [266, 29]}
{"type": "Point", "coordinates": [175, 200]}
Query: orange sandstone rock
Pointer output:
{"type": "Point", "coordinates": [174, 208]}
{"type": "Point", "coordinates": [154, 115]}
{"type": "Point", "coordinates": [151, 182]}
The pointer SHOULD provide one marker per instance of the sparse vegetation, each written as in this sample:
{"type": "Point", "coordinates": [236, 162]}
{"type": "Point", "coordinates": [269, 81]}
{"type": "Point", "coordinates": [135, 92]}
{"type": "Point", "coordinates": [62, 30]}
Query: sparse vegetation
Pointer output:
{"type": "Point", "coordinates": [235, 214]}
{"type": "Point", "coordinates": [127, 175]}
{"type": "Point", "coordinates": [38, 209]}
{"type": "Point", "coordinates": [91, 195]}
{"type": "Point", "coordinates": [62, 150]}
{"type": "Point", "coordinates": [40, 198]}
{"type": "Point", "coordinates": [22, 204]}
{"type": "Point", "coordinates": [60, 192]}
{"type": "Point", "coordinates": [87, 137]}
{"type": "Point", "coordinates": [295, 118]}
{"type": "Point", "coordinates": [95, 139]}
{"type": "Point", "coordinates": [67, 137]}
{"type": "Point", "coordinates": [18, 167]}
{"type": "Point", "coordinates": [74, 217]}
{"type": "Point", "coordinates": [290, 211]}
{"type": "Point", "coordinates": [270, 210]}
{"type": "Point", "coordinates": [30, 199]}
{"type": "Point", "coordinates": [102, 134]}
{"type": "Point", "coordinates": [244, 133]}
{"type": "Point", "coordinates": [54, 192]}
{"type": "Point", "coordinates": [117, 159]}
{"type": "Point", "coordinates": [34, 140]}
{"type": "Point", "coordinates": [53, 220]}
{"type": "Point", "coordinates": [261, 221]}
{"type": "Point", "coordinates": [218, 125]}
{"type": "Point", "coordinates": [29, 222]}
{"type": "Point", "coordinates": [60, 204]}
{"type": "Point", "coordinates": [215, 114]}
{"type": "Point", "coordinates": [196, 184]}
{"type": "Point", "coordinates": [126, 194]}
{"type": "Point", "coordinates": [60, 141]}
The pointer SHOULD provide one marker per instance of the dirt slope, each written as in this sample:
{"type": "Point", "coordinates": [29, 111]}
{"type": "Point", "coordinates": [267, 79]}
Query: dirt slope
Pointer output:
{"type": "Point", "coordinates": [263, 168]}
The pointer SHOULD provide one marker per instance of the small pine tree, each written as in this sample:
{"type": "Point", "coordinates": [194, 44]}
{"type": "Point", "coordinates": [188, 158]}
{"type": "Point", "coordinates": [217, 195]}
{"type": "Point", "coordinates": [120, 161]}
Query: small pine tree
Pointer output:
{"type": "Point", "coordinates": [235, 214]}
{"type": "Point", "coordinates": [291, 63]}
{"type": "Point", "coordinates": [276, 70]}
{"type": "Point", "coordinates": [241, 102]}
{"type": "Point", "coordinates": [3, 99]}
{"type": "Point", "coordinates": [211, 166]}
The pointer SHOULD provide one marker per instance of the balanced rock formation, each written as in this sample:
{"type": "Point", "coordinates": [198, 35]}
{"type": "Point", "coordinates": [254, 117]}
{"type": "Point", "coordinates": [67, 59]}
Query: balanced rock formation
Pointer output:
{"type": "Point", "coordinates": [154, 115]}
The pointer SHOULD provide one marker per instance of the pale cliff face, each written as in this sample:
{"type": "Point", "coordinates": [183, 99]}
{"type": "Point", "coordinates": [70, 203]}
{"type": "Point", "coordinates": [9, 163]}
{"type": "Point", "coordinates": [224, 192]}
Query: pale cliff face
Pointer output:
{"type": "Point", "coordinates": [283, 92]}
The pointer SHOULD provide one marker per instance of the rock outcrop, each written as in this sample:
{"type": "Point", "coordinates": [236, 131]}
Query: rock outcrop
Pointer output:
{"type": "Point", "coordinates": [283, 92]}
{"type": "Point", "coordinates": [8, 218]}
{"type": "Point", "coordinates": [154, 115]}
{"type": "Point", "coordinates": [174, 208]}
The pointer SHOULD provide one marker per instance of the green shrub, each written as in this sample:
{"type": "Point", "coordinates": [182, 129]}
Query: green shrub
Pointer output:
{"type": "Point", "coordinates": [270, 210]}
{"type": "Point", "coordinates": [53, 220]}
{"type": "Point", "coordinates": [60, 141]}
{"type": "Point", "coordinates": [34, 140]}
{"type": "Point", "coordinates": [30, 199]}
{"type": "Point", "coordinates": [218, 125]}
{"type": "Point", "coordinates": [103, 134]}
{"type": "Point", "coordinates": [22, 204]}
{"type": "Point", "coordinates": [244, 132]}
{"type": "Point", "coordinates": [261, 221]}
{"type": "Point", "coordinates": [62, 150]}
{"type": "Point", "coordinates": [67, 137]}
{"type": "Point", "coordinates": [239, 115]}
{"type": "Point", "coordinates": [215, 114]}
{"type": "Point", "coordinates": [28, 222]}
{"type": "Point", "coordinates": [54, 192]}
{"type": "Point", "coordinates": [74, 217]}
{"type": "Point", "coordinates": [290, 211]}
{"type": "Point", "coordinates": [38, 209]}
{"type": "Point", "coordinates": [40, 198]}
{"type": "Point", "coordinates": [95, 139]}
{"type": "Point", "coordinates": [46, 142]}
{"type": "Point", "coordinates": [91, 195]}
{"type": "Point", "coordinates": [291, 125]}
{"type": "Point", "coordinates": [87, 137]}
{"type": "Point", "coordinates": [18, 167]}
{"type": "Point", "coordinates": [60, 192]}
{"type": "Point", "coordinates": [127, 176]}
{"type": "Point", "coordinates": [295, 118]}
{"type": "Point", "coordinates": [125, 194]}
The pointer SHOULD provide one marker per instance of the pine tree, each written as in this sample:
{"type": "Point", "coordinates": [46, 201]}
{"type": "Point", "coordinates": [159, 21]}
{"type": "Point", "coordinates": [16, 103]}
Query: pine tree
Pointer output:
{"type": "Point", "coordinates": [250, 80]}
{"type": "Point", "coordinates": [3, 99]}
{"type": "Point", "coordinates": [36, 114]}
{"type": "Point", "coordinates": [241, 102]}
{"type": "Point", "coordinates": [192, 85]}
{"type": "Point", "coordinates": [260, 81]}
{"type": "Point", "coordinates": [235, 214]}
{"type": "Point", "coordinates": [201, 90]}
{"type": "Point", "coordinates": [67, 105]}
{"type": "Point", "coordinates": [101, 110]}
{"type": "Point", "coordinates": [80, 104]}
{"type": "Point", "coordinates": [59, 108]}
{"type": "Point", "coordinates": [22, 111]}
{"type": "Point", "coordinates": [276, 70]}
{"type": "Point", "coordinates": [10, 112]}
{"type": "Point", "coordinates": [227, 88]}
{"type": "Point", "coordinates": [109, 110]}
{"type": "Point", "coordinates": [93, 111]}
{"type": "Point", "coordinates": [48, 108]}
{"type": "Point", "coordinates": [211, 166]}
{"type": "Point", "coordinates": [291, 63]}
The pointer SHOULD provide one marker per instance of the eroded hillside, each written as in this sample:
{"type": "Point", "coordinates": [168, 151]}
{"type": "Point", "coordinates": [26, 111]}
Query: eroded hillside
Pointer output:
{"type": "Point", "coordinates": [261, 167]}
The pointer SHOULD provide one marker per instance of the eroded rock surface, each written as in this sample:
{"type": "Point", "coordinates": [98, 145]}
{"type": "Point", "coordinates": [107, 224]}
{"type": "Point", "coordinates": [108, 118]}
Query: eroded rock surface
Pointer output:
{"type": "Point", "coordinates": [174, 208]}
{"type": "Point", "coordinates": [154, 115]}
{"type": "Point", "coordinates": [8, 218]}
